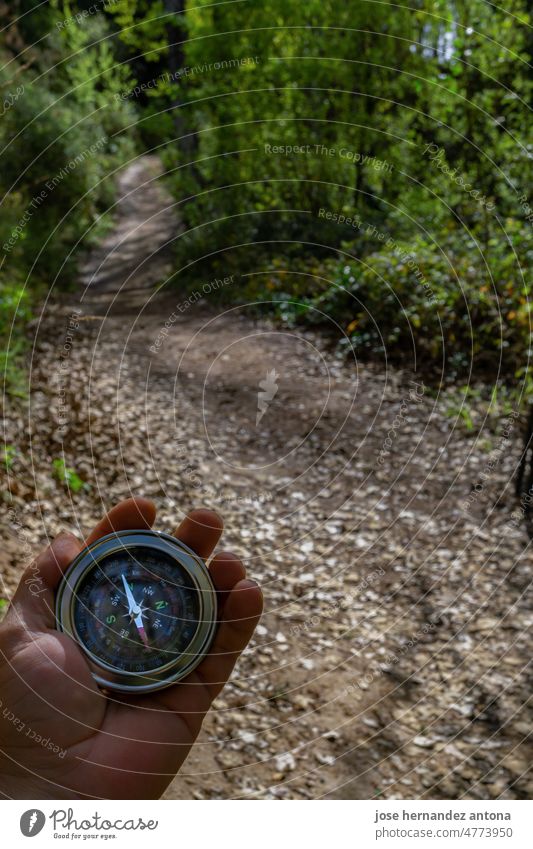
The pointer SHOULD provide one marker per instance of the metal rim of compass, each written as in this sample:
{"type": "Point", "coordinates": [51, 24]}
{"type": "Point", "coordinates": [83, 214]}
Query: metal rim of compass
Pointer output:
{"type": "Point", "coordinates": [107, 676]}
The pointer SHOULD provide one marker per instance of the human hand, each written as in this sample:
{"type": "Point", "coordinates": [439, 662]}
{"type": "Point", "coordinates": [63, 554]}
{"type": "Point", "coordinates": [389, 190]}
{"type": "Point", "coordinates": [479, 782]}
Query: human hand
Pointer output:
{"type": "Point", "coordinates": [61, 737]}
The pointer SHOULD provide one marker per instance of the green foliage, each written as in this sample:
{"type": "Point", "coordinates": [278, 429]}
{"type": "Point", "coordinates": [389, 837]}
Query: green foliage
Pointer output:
{"type": "Point", "coordinates": [475, 411]}
{"type": "Point", "coordinates": [14, 313]}
{"type": "Point", "coordinates": [360, 163]}
{"type": "Point", "coordinates": [61, 141]}
{"type": "Point", "coordinates": [269, 76]}
{"type": "Point", "coordinates": [437, 303]}
{"type": "Point", "coordinates": [67, 476]}
{"type": "Point", "coordinates": [434, 299]}
{"type": "Point", "coordinates": [10, 453]}
{"type": "Point", "coordinates": [411, 123]}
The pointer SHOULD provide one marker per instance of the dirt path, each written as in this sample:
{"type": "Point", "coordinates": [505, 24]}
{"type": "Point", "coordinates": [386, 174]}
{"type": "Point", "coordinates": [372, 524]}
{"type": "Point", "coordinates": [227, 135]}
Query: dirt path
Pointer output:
{"type": "Point", "coordinates": [391, 658]}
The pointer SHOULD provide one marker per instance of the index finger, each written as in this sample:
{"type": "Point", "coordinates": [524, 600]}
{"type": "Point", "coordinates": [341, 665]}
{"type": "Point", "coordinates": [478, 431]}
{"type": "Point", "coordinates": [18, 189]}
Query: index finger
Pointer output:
{"type": "Point", "coordinates": [200, 530]}
{"type": "Point", "coordinates": [131, 514]}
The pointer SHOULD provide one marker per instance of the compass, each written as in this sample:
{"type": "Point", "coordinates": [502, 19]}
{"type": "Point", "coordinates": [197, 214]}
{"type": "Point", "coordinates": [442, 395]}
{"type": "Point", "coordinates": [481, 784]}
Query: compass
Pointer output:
{"type": "Point", "coordinates": [142, 607]}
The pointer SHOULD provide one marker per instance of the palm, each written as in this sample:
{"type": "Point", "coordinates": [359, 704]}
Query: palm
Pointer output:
{"type": "Point", "coordinates": [109, 746]}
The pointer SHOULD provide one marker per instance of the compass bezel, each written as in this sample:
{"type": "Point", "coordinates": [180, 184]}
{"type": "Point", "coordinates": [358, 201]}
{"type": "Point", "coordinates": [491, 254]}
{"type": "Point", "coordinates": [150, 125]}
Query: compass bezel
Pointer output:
{"type": "Point", "coordinates": [107, 676]}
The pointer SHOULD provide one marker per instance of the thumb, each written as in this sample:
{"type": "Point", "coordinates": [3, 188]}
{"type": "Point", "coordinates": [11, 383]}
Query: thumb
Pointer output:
{"type": "Point", "coordinates": [34, 600]}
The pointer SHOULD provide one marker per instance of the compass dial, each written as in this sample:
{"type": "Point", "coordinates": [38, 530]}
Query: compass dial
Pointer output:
{"type": "Point", "coordinates": [142, 607]}
{"type": "Point", "coordinates": [166, 599]}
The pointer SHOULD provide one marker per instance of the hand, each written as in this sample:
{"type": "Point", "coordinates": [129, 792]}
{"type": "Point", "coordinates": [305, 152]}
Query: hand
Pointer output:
{"type": "Point", "coordinates": [61, 737]}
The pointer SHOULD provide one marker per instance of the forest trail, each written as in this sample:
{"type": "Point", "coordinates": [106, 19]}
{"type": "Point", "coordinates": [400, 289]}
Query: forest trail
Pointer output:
{"type": "Point", "coordinates": [357, 680]}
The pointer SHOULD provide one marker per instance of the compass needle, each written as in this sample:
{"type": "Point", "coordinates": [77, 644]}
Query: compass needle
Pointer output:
{"type": "Point", "coordinates": [133, 606]}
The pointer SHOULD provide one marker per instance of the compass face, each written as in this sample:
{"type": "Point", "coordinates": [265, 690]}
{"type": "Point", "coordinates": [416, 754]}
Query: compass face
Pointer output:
{"type": "Point", "coordinates": [169, 608]}
{"type": "Point", "coordinates": [142, 607]}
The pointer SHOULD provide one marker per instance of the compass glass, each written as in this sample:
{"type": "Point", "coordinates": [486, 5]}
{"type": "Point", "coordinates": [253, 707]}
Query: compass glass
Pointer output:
{"type": "Point", "coordinates": [136, 610]}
